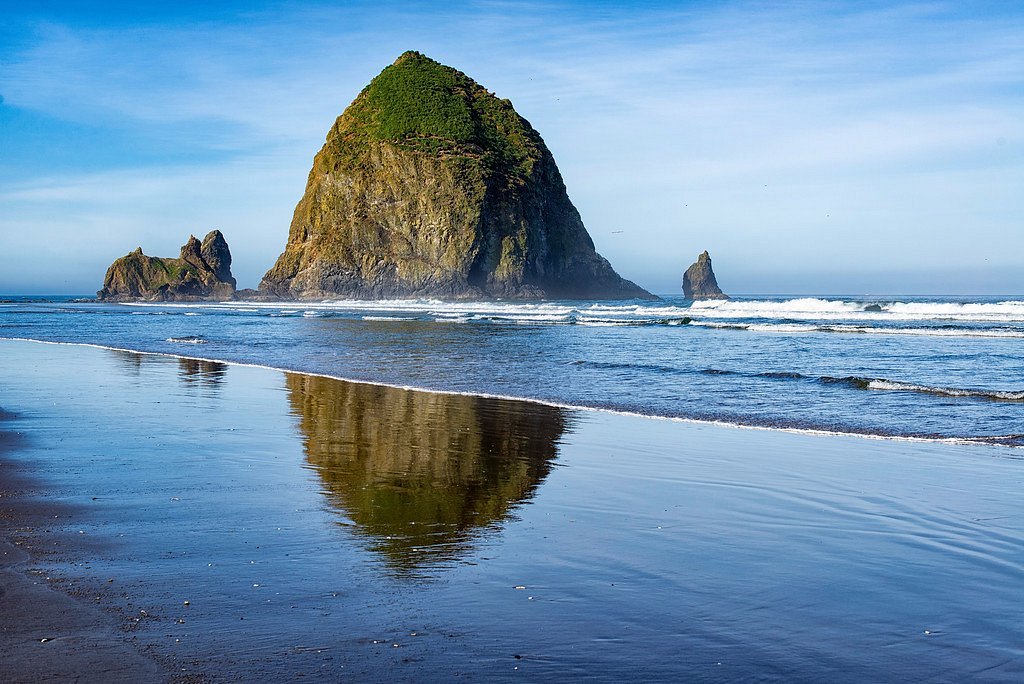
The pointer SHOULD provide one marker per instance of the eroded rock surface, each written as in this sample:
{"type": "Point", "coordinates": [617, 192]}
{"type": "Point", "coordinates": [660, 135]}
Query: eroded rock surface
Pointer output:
{"type": "Point", "coordinates": [202, 271]}
{"type": "Point", "coordinates": [699, 280]}
{"type": "Point", "coordinates": [430, 185]}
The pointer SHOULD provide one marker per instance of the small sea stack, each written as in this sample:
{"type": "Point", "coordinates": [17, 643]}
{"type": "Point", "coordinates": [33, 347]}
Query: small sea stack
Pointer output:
{"type": "Point", "coordinates": [699, 280]}
{"type": "Point", "coordinates": [201, 272]}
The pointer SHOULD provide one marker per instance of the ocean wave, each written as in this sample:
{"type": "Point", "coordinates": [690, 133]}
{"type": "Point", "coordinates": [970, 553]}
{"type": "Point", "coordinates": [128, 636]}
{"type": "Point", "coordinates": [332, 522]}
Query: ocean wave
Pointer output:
{"type": "Point", "coordinates": [896, 386]}
{"type": "Point", "coordinates": [812, 308]}
{"type": "Point", "coordinates": [992, 395]}
{"type": "Point", "coordinates": [613, 365]}
{"type": "Point", "coordinates": [188, 339]}
{"type": "Point", "coordinates": [1001, 332]}
{"type": "Point", "coordinates": [930, 331]}
{"type": "Point", "coordinates": [800, 314]}
{"type": "Point", "coordinates": [1011, 440]}
{"type": "Point", "coordinates": [852, 381]}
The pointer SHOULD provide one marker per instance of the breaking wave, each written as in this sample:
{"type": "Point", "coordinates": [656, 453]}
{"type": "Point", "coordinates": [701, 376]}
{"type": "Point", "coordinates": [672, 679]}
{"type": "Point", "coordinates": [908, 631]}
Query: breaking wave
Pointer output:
{"type": "Point", "coordinates": [812, 308]}
{"type": "Point", "coordinates": [1004, 319]}
{"type": "Point", "coordinates": [895, 386]}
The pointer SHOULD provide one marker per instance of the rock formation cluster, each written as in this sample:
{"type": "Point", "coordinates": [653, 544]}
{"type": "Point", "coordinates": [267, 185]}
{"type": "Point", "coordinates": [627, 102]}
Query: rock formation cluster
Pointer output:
{"type": "Point", "coordinates": [202, 271]}
{"type": "Point", "coordinates": [428, 185]}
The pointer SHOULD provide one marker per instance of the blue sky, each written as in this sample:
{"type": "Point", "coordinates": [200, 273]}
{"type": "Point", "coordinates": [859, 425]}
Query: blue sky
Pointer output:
{"type": "Point", "coordinates": [812, 147]}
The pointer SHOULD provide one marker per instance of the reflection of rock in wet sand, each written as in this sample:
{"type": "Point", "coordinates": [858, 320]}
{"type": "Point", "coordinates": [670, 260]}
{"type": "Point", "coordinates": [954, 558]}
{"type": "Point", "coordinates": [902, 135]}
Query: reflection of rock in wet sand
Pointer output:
{"type": "Point", "coordinates": [203, 372]}
{"type": "Point", "coordinates": [422, 473]}
{"type": "Point", "coordinates": [131, 362]}
{"type": "Point", "coordinates": [190, 371]}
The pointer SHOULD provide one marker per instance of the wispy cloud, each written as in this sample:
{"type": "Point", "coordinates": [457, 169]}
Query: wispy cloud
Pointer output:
{"type": "Point", "coordinates": [706, 126]}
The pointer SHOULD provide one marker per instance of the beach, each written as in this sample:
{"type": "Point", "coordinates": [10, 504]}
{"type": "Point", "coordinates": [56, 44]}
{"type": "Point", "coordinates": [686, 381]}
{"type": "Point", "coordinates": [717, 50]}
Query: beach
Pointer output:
{"type": "Point", "coordinates": [221, 522]}
{"type": "Point", "coordinates": [47, 634]}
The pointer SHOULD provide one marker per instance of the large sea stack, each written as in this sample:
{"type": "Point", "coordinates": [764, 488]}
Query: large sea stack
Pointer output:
{"type": "Point", "coordinates": [699, 280]}
{"type": "Point", "coordinates": [201, 272]}
{"type": "Point", "coordinates": [429, 185]}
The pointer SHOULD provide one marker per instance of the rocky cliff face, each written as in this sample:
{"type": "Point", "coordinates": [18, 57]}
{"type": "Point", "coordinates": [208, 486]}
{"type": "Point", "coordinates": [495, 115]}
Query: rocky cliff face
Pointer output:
{"type": "Point", "coordinates": [202, 271]}
{"type": "Point", "coordinates": [699, 280]}
{"type": "Point", "coordinates": [429, 185]}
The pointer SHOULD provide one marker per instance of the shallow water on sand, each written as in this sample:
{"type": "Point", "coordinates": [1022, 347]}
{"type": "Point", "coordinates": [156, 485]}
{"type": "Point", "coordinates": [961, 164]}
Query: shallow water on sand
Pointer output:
{"type": "Point", "coordinates": [322, 527]}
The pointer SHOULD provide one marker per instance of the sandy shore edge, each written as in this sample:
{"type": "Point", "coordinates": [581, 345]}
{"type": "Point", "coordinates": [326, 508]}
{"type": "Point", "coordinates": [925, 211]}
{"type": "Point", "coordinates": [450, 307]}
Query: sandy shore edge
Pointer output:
{"type": "Point", "coordinates": [45, 634]}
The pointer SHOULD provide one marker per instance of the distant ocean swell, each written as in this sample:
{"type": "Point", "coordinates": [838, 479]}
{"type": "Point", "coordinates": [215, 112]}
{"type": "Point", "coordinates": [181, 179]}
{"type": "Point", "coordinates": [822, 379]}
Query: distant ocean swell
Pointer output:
{"type": "Point", "coordinates": [852, 381]}
{"type": "Point", "coordinates": [809, 308]}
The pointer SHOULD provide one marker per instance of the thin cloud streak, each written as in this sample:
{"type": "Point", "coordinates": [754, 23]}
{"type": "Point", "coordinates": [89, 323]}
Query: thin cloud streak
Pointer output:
{"type": "Point", "coordinates": [669, 124]}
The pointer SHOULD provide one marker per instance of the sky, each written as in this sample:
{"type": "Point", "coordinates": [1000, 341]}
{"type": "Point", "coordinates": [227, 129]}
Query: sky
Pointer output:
{"type": "Point", "coordinates": [811, 147]}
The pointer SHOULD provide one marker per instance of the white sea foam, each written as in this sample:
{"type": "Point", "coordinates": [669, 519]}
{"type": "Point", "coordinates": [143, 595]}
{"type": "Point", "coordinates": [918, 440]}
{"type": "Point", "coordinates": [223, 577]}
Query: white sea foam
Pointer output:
{"type": "Point", "coordinates": [995, 395]}
{"type": "Point", "coordinates": [833, 309]}
{"type": "Point", "coordinates": [893, 317]}
{"type": "Point", "coordinates": [928, 331]}
{"type": "Point", "coordinates": [783, 327]}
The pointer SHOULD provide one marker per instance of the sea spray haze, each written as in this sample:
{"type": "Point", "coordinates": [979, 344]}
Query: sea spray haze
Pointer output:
{"type": "Point", "coordinates": [926, 367]}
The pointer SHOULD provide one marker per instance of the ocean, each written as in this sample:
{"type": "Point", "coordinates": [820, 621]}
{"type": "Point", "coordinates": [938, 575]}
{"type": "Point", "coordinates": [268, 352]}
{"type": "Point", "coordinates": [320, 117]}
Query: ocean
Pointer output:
{"type": "Point", "coordinates": [936, 368]}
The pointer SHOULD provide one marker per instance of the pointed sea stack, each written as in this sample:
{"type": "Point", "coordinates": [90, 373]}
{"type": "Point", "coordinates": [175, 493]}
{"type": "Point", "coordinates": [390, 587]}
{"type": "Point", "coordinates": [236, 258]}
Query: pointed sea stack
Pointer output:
{"type": "Point", "coordinates": [429, 185]}
{"type": "Point", "coordinates": [201, 272]}
{"type": "Point", "coordinates": [699, 280]}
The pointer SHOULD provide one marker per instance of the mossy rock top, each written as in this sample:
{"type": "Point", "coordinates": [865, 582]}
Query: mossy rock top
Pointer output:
{"type": "Point", "coordinates": [419, 104]}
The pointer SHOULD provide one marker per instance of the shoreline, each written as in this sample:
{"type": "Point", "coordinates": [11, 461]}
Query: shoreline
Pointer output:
{"type": "Point", "coordinates": [978, 442]}
{"type": "Point", "coordinates": [47, 633]}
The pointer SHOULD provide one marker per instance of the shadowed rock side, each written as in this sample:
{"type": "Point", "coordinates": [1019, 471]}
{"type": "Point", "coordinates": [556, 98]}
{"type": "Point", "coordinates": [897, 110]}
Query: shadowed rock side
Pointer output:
{"type": "Point", "coordinates": [420, 474]}
{"type": "Point", "coordinates": [202, 271]}
{"type": "Point", "coordinates": [699, 280]}
{"type": "Point", "coordinates": [429, 185]}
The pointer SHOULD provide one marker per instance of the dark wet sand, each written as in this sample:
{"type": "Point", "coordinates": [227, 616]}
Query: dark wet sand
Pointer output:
{"type": "Point", "coordinates": [46, 634]}
{"type": "Point", "coordinates": [268, 526]}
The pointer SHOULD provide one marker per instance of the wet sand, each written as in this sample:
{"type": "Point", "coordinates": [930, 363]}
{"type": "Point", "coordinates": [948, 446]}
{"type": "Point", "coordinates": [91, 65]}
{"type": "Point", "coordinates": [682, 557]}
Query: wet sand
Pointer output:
{"type": "Point", "coordinates": [260, 525]}
{"type": "Point", "coordinates": [47, 634]}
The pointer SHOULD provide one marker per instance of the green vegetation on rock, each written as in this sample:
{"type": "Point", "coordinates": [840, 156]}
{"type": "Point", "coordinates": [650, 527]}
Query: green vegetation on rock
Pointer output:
{"type": "Point", "coordinates": [419, 104]}
{"type": "Point", "coordinates": [202, 271]}
{"type": "Point", "coordinates": [430, 185]}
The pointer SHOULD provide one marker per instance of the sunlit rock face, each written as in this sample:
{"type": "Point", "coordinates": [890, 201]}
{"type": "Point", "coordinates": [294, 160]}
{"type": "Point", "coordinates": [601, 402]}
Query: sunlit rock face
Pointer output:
{"type": "Point", "coordinates": [430, 185]}
{"type": "Point", "coordinates": [422, 475]}
{"type": "Point", "coordinates": [202, 271]}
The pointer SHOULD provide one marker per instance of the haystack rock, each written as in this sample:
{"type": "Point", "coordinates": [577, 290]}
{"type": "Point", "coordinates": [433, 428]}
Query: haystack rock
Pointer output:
{"type": "Point", "coordinates": [699, 280]}
{"type": "Point", "coordinates": [430, 185]}
{"type": "Point", "coordinates": [201, 272]}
